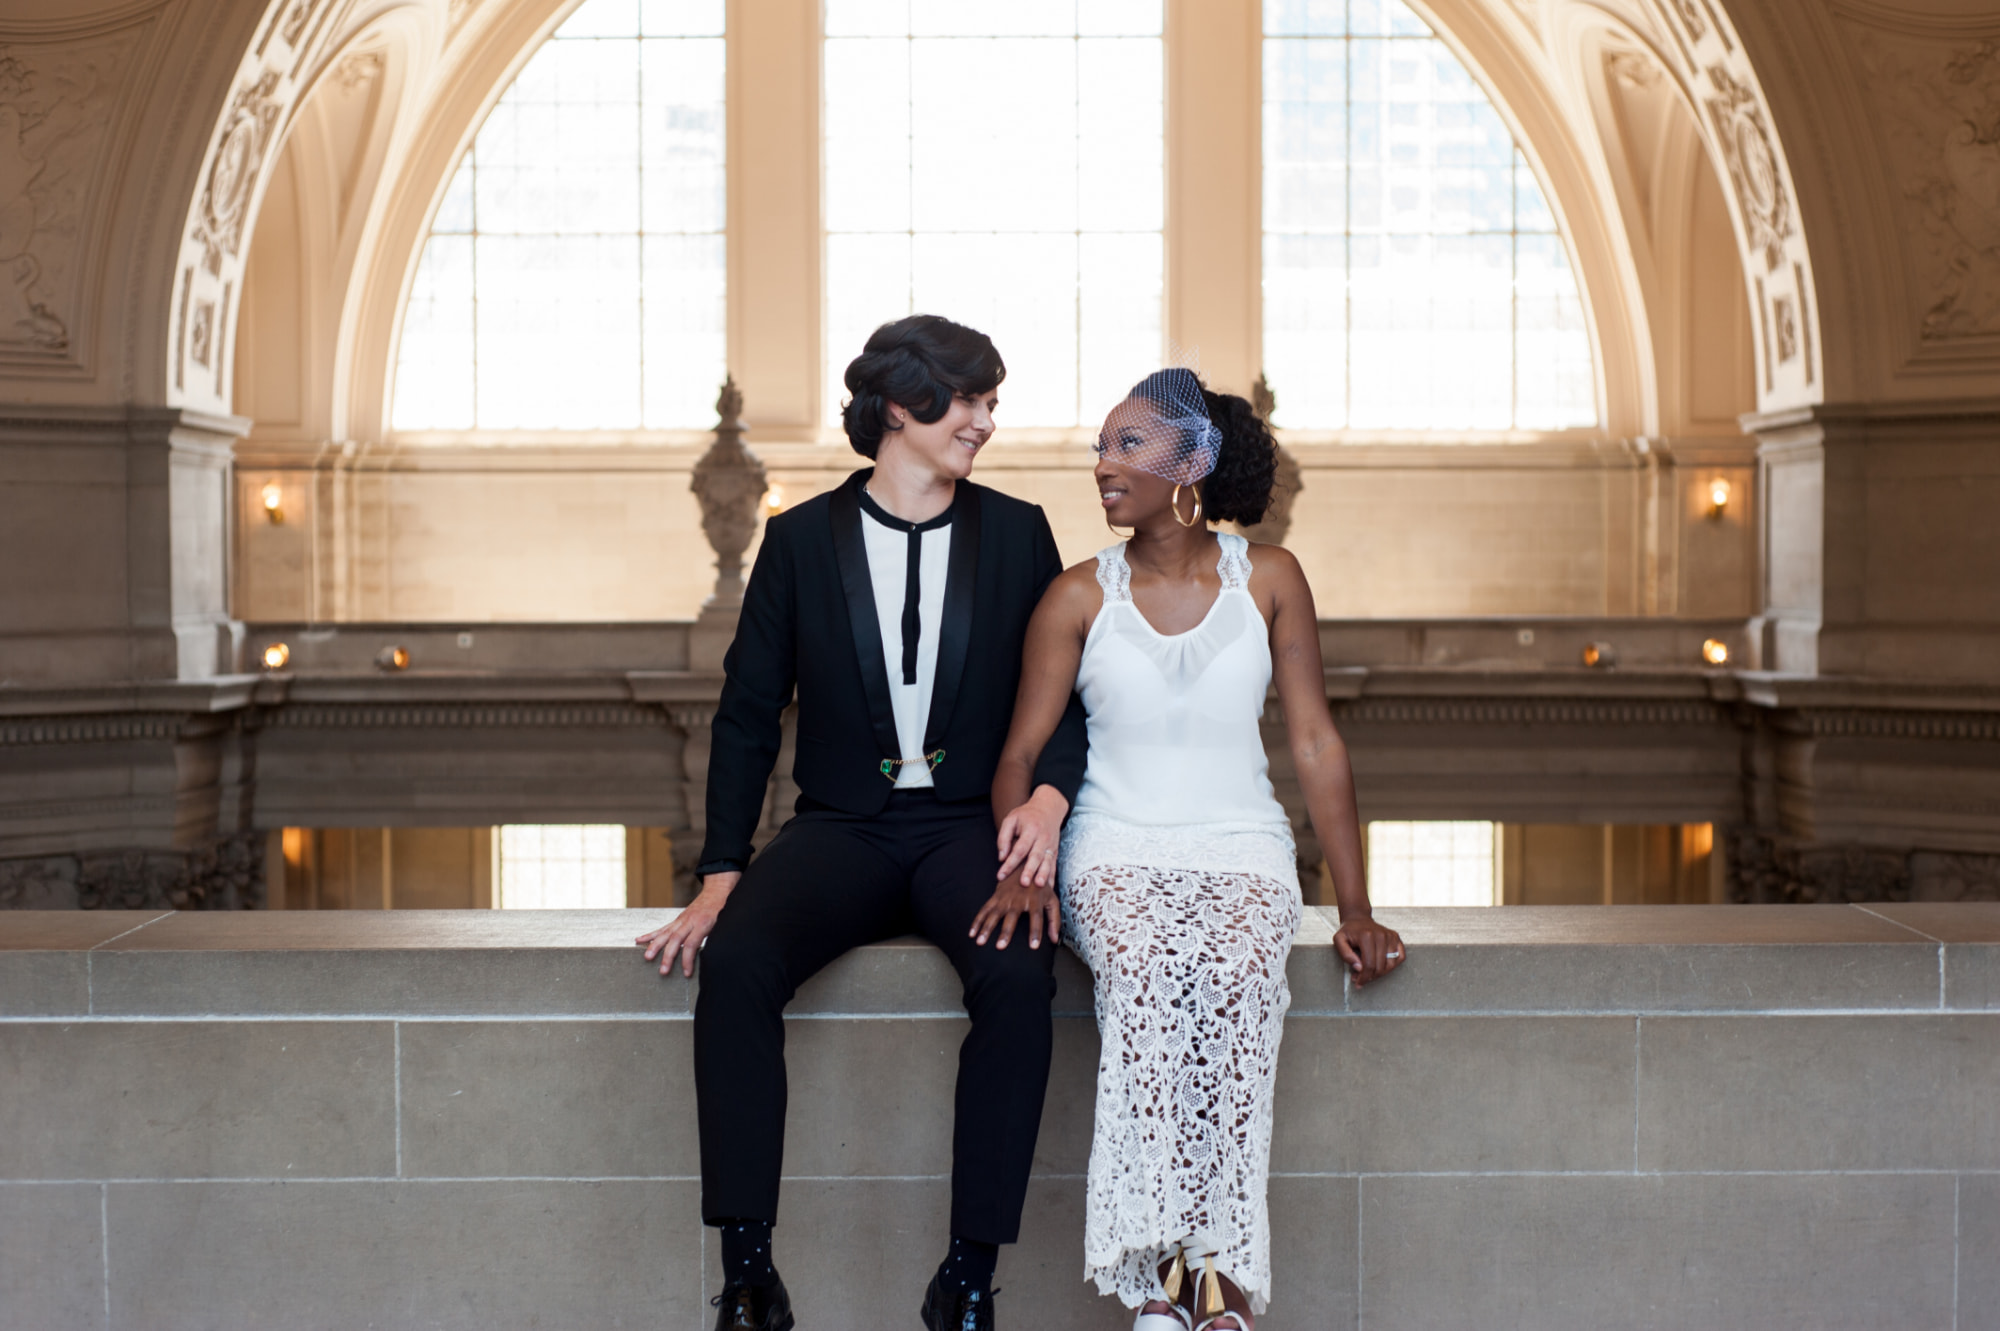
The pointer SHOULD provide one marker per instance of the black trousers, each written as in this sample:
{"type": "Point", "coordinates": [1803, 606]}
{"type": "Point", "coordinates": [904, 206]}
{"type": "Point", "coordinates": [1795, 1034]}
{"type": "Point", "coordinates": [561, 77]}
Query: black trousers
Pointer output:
{"type": "Point", "coordinates": [828, 883]}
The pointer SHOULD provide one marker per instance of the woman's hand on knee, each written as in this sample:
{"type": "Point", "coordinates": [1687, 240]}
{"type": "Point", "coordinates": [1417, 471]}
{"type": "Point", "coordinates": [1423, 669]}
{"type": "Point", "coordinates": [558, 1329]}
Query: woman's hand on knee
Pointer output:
{"type": "Point", "coordinates": [1009, 902]}
{"type": "Point", "coordinates": [683, 936]}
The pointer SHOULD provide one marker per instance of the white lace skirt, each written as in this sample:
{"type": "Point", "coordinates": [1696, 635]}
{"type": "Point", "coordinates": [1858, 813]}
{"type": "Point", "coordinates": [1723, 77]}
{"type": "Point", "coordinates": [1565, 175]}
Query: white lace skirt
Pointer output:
{"type": "Point", "coordinates": [1186, 931]}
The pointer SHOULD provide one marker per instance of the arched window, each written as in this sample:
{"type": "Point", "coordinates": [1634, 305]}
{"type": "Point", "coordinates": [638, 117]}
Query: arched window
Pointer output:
{"type": "Point", "coordinates": [1000, 164]}
{"type": "Point", "coordinates": [574, 275]}
{"type": "Point", "coordinates": [1413, 275]}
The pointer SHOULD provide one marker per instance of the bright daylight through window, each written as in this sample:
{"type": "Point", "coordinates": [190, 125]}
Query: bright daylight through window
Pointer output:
{"type": "Point", "coordinates": [560, 867]}
{"type": "Point", "coordinates": [574, 274]}
{"type": "Point", "coordinates": [1000, 164]}
{"type": "Point", "coordinates": [1413, 275]}
{"type": "Point", "coordinates": [1433, 864]}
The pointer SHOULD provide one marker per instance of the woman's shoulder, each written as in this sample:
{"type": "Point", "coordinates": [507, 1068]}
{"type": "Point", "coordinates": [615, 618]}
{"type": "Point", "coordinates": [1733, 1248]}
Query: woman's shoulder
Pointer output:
{"type": "Point", "coordinates": [1270, 560]}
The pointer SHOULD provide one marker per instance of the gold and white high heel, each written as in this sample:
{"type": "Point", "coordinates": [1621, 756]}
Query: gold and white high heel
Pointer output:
{"type": "Point", "coordinates": [1211, 1306]}
{"type": "Point", "coordinates": [1177, 1319]}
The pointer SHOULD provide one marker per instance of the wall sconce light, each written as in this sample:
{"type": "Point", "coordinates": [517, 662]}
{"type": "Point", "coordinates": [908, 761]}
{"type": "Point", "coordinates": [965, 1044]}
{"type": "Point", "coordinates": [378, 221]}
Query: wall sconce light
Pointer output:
{"type": "Point", "coordinates": [393, 658]}
{"type": "Point", "coordinates": [1599, 654]}
{"type": "Point", "coordinates": [1715, 652]}
{"type": "Point", "coordinates": [774, 498]}
{"type": "Point", "coordinates": [276, 655]}
{"type": "Point", "coordinates": [1718, 498]}
{"type": "Point", "coordinates": [273, 496]}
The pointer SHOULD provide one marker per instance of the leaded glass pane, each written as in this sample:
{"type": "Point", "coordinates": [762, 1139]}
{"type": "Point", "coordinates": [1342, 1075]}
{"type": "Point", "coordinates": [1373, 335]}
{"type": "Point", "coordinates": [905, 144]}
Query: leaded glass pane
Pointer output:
{"type": "Point", "coordinates": [1002, 165]}
{"type": "Point", "coordinates": [574, 276]}
{"type": "Point", "coordinates": [1413, 274]}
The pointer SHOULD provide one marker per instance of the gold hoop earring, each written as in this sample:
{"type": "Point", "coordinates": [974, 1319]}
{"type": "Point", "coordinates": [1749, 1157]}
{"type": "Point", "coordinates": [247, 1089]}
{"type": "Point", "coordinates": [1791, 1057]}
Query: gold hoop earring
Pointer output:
{"type": "Point", "coordinates": [1175, 504]}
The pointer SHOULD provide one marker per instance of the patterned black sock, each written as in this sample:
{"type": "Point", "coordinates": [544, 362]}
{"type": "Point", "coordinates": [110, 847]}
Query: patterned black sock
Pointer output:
{"type": "Point", "coordinates": [746, 1252]}
{"type": "Point", "coordinates": [969, 1265]}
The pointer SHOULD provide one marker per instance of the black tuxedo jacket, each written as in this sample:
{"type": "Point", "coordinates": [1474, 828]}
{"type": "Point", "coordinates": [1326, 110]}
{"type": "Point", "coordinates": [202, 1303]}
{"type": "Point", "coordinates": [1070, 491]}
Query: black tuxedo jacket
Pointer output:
{"type": "Point", "coordinates": [809, 627]}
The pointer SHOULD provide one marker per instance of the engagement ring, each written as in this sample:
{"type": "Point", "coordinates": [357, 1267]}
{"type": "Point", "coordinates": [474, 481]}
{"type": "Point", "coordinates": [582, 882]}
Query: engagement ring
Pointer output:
{"type": "Point", "coordinates": [1394, 955]}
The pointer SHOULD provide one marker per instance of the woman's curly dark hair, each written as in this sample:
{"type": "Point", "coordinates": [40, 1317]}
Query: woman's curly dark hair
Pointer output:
{"type": "Point", "coordinates": [1246, 465]}
{"type": "Point", "coordinates": [918, 363]}
{"type": "Point", "coordinates": [1239, 489]}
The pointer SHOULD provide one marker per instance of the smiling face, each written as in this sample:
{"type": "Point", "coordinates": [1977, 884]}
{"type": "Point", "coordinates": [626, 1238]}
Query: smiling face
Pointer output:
{"type": "Point", "coordinates": [1130, 495]}
{"type": "Point", "coordinates": [948, 444]}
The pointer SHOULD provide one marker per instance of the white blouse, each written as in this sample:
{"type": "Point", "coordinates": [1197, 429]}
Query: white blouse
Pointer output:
{"type": "Point", "coordinates": [888, 569]}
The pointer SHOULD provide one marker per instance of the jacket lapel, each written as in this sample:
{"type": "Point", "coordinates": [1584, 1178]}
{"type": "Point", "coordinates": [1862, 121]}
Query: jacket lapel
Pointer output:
{"type": "Point", "coordinates": [851, 554]}
{"type": "Point", "coordinates": [961, 582]}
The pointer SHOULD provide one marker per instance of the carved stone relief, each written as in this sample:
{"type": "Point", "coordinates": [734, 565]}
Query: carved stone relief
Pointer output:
{"type": "Point", "coordinates": [1941, 877]}
{"type": "Point", "coordinates": [1753, 166]}
{"type": "Point", "coordinates": [1938, 107]}
{"type": "Point", "coordinates": [223, 209]}
{"type": "Point", "coordinates": [232, 175]}
{"type": "Point", "coordinates": [227, 875]}
{"type": "Point", "coordinates": [1767, 870]}
{"type": "Point", "coordinates": [58, 104]}
{"type": "Point", "coordinates": [1785, 325]}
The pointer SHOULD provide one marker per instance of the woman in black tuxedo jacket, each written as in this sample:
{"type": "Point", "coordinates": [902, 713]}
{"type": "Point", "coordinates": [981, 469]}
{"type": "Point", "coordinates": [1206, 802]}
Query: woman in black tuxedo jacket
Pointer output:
{"type": "Point", "coordinates": [893, 608]}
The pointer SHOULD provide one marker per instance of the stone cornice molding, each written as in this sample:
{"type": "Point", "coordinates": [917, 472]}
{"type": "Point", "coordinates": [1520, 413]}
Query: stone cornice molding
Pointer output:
{"type": "Point", "coordinates": [1887, 724]}
{"type": "Point", "coordinates": [1531, 712]}
{"type": "Point", "coordinates": [91, 729]}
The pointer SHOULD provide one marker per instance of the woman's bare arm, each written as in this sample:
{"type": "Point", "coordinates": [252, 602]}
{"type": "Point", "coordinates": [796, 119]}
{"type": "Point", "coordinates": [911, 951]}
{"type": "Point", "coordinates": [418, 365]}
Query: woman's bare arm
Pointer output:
{"type": "Point", "coordinates": [1028, 836]}
{"type": "Point", "coordinates": [1320, 758]}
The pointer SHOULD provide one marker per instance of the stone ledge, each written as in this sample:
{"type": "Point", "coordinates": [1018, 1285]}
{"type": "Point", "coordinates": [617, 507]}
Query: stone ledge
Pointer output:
{"type": "Point", "coordinates": [1530, 960]}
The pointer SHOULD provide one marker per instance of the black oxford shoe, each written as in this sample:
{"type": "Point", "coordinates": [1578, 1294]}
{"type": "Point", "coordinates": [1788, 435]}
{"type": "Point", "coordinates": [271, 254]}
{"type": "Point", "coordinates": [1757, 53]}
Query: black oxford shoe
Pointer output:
{"type": "Point", "coordinates": [959, 1310]}
{"type": "Point", "coordinates": [753, 1308]}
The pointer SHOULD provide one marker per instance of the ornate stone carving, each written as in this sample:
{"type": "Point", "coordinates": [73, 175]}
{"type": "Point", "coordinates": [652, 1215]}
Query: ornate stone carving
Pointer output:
{"type": "Point", "coordinates": [226, 875]}
{"type": "Point", "coordinates": [1690, 16]}
{"type": "Point", "coordinates": [1938, 106]}
{"type": "Point", "coordinates": [359, 68]}
{"type": "Point", "coordinates": [729, 482]}
{"type": "Point", "coordinates": [201, 334]}
{"type": "Point", "coordinates": [58, 103]}
{"type": "Point", "coordinates": [247, 128]}
{"type": "Point", "coordinates": [293, 25]}
{"type": "Point", "coordinates": [90, 729]}
{"type": "Point", "coordinates": [1871, 723]}
{"type": "Point", "coordinates": [1785, 324]}
{"type": "Point", "coordinates": [1936, 876]}
{"type": "Point", "coordinates": [1290, 480]}
{"type": "Point", "coordinates": [1770, 870]}
{"type": "Point", "coordinates": [406, 716]}
{"type": "Point", "coordinates": [1738, 120]}
{"type": "Point", "coordinates": [1634, 69]}
{"type": "Point", "coordinates": [1529, 711]}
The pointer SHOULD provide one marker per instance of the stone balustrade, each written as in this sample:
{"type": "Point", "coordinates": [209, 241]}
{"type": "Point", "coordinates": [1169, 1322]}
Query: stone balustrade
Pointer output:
{"type": "Point", "coordinates": [1551, 1118]}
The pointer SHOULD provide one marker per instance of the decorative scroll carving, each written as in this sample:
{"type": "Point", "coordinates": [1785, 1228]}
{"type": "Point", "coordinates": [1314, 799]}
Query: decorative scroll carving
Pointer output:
{"type": "Point", "coordinates": [1289, 482]}
{"type": "Point", "coordinates": [1785, 325]}
{"type": "Point", "coordinates": [1634, 69]}
{"type": "Point", "coordinates": [1769, 870]}
{"type": "Point", "coordinates": [58, 103]}
{"type": "Point", "coordinates": [359, 68]}
{"type": "Point", "coordinates": [729, 482]}
{"type": "Point", "coordinates": [293, 26]}
{"type": "Point", "coordinates": [1690, 16]}
{"type": "Point", "coordinates": [1941, 877]}
{"type": "Point", "coordinates": [227, 875]}
{"type": "Point", "coordinates": [247, 130]}
{"type": "Point", "coordinates": [1753, 166]}
{"type": "Point", "coordinates": [1938, 106]}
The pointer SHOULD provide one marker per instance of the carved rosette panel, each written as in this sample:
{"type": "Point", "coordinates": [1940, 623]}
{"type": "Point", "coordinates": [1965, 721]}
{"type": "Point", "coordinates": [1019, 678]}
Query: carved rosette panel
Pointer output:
{"type": "Point", "coordinates": [61, 99]}
{"type": "Point", "coordinates": [291, 40]}
{"type": "Point", "coordinates": [1736, 125]}
{"type": "Point", "coordinates": [1936, 104]}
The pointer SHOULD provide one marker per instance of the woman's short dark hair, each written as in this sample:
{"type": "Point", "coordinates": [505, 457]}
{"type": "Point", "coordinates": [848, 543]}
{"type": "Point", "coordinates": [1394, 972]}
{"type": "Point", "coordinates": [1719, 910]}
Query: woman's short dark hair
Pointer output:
{"type": "Point", "coordinates": [919, 363]}
{"type": "Point", "coordinates": [1246, 466]}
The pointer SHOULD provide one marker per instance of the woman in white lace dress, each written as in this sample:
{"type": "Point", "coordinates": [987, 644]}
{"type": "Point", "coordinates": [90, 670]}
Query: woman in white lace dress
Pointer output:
{"type": "Point", "coordinates": [1178, 879]}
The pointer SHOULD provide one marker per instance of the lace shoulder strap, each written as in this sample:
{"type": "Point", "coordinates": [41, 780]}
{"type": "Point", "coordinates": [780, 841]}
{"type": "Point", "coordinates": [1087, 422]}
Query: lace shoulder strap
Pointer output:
{"type": "Point", "coordinates": [1234, 563]}
{"type": "Point", "coordinates": [1114, 575]}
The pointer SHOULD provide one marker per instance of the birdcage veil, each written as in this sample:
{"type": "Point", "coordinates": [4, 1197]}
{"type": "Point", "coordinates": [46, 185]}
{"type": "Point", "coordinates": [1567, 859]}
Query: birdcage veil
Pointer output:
{"type": "Point", "coordinates": [1162, 426]}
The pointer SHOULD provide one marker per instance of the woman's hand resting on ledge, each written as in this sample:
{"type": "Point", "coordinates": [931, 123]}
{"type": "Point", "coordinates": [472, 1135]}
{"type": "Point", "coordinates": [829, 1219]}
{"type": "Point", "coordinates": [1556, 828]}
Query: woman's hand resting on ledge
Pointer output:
{"type": "Point", "coordinates": [1010, 901]}
{"type": "Point", "coordinates": [690, 929]}
{"type": "Point", "coordinates": [1370, 950]}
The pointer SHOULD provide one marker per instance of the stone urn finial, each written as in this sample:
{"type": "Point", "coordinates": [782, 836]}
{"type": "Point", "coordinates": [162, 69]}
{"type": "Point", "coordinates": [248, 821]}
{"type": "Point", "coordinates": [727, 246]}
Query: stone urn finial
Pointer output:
{"type": "Point", "coordinates": [729, 483]}
{"type": "Point", "coordinates": [1278, 517]}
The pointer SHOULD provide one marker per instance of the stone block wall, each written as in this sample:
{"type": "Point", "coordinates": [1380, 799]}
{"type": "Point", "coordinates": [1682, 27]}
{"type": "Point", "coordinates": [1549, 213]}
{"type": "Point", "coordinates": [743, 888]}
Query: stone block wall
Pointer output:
{"type": "Point", "coordinates": [1552, 1118]}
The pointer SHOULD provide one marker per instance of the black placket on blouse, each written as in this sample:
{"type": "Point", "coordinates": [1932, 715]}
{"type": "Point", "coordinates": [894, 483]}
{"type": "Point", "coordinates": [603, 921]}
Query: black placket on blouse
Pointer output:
{"type": "Point", "coordinates": [913, 625]}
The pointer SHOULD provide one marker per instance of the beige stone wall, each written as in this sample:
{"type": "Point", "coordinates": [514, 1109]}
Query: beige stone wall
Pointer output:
{"type": "Point", "coordinates": [1549, 1118]}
